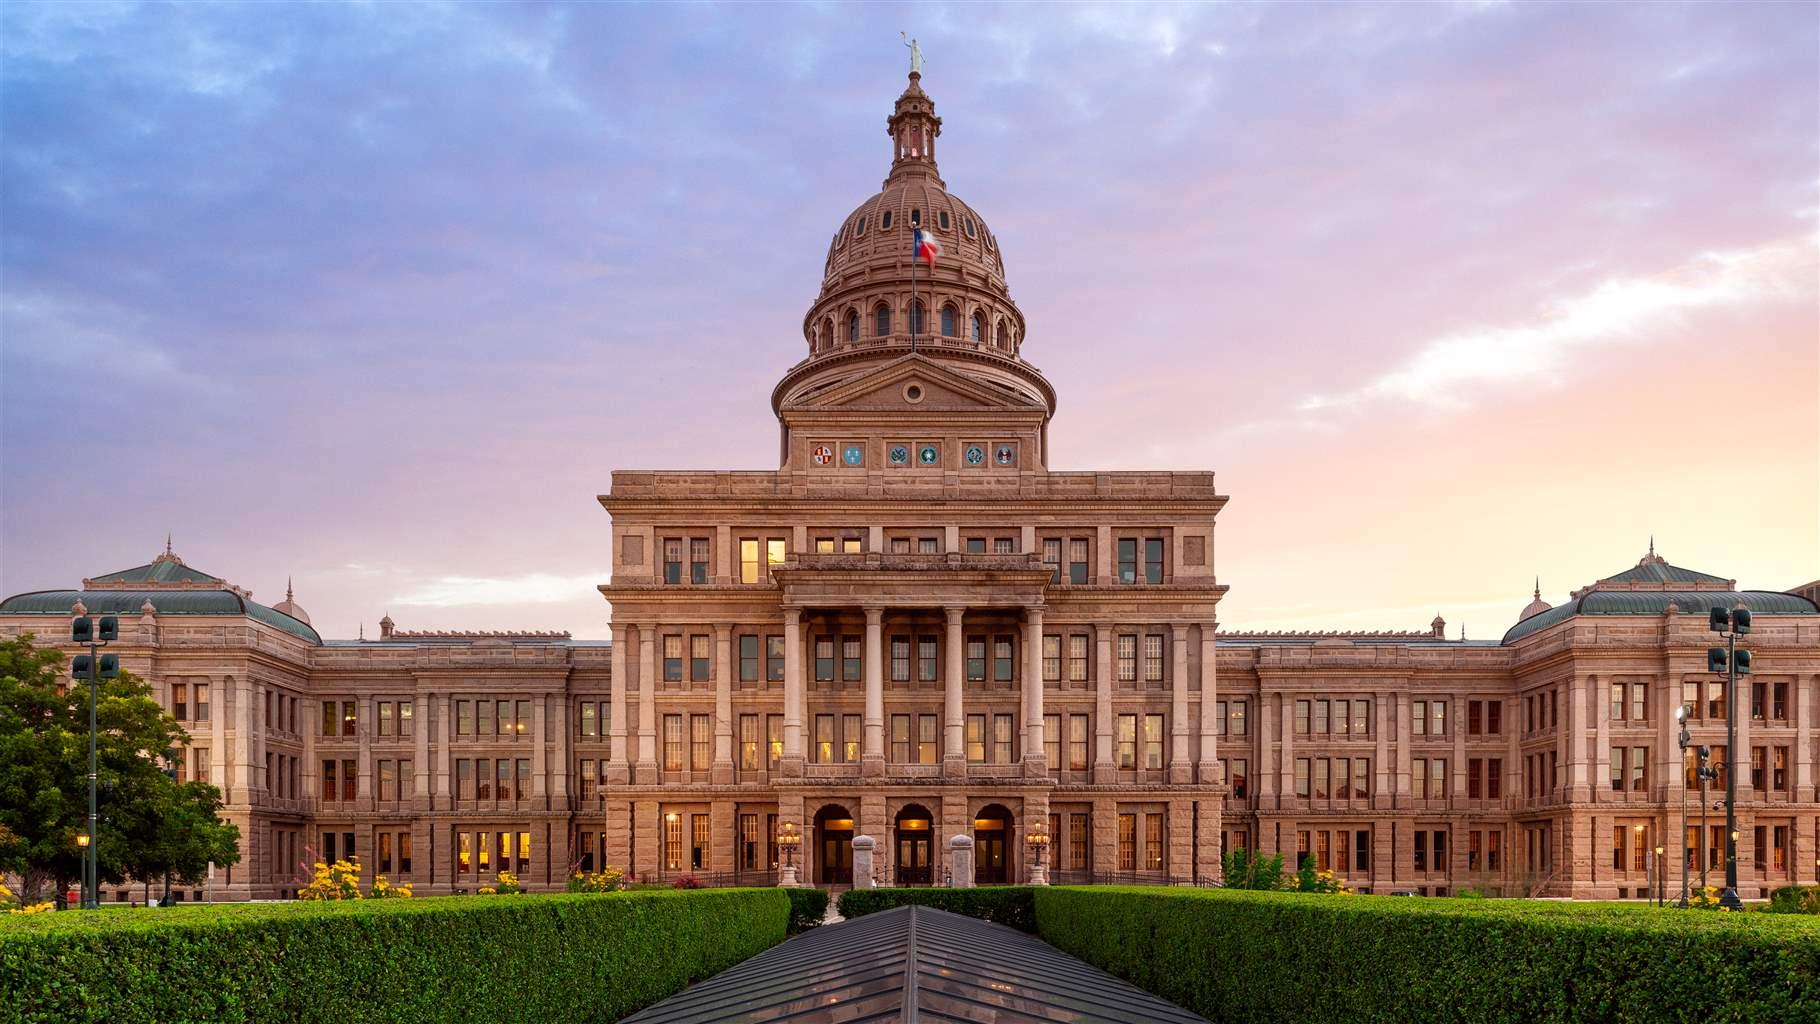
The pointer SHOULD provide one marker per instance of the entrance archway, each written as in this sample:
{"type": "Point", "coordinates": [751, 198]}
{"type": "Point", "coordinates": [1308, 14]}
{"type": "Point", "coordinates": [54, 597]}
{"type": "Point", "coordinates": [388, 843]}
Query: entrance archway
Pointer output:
{"type": "Point", "coordinates": [834, 845]}
{"type": "Point", "coordinates": [915, 832]}
{"type": "Point", "coordinates": [992, 845]}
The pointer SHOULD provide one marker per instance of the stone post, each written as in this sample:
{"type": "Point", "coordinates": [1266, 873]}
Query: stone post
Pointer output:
{"type": "Point", "coordinates": [862, 861]}
{"type": "Point", "coordinates": [960, 862]}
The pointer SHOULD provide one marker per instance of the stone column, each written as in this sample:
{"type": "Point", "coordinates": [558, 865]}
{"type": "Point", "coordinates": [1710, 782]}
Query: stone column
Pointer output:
{"type": "Point", "coordinates": [721, 772]}
{"type": "Point", "coordinates": [1741, 760]}
{"type": "Point", "coordinates": [1180, 768]}
{"type": "Point", "coordinates": [445, 750]}
{"type": "Point", "coordinates": [1208, 770]}
{"type": "Point", "coordinates": [1381, 771]}
{"type": "Point", "coordinates": [872, 754]}
{"type": "Point", "coordinates": [561, 759]}
{"type": "Point", "coordinates": [1103, 767]}
{"type": "Point", "coordinates": [540, 770]}
{"type": "Point", "coordinates": [1264, 771]}
{"type": "Point", "coordinates": [242, 777]}
{"type": "Point", "coordinates": [954, 750]}
{"type": "Point", "coordinates": [1600, 782]}
{"type": "Point", "coordinates": [792, 763]}
{"type": "Point", "coordinates": [617, 763]}
{"type": "Point", "coordinates": [1036, 758]}
{"type": "Point", "coordinates": [1285, 732]}
{"type": "Point", "coordinates": [218, 755]}
{"type": "Point", "coordinates": [420, 751]}
{"type": "Point", "coordinates": [647, 708]}
{"type": "Point", "coordinates": [1573, 736]}
{"type": "Point", "coordinates": [364, 730]}
{"type": "Point", "coordinates": [257, 739]}
{"type": "Point", "coordinates": [862, 861]}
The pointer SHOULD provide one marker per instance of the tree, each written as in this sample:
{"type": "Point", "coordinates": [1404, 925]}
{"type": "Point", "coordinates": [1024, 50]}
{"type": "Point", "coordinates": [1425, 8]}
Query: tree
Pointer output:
{"type": "Point", "coordinates": [44, 778]}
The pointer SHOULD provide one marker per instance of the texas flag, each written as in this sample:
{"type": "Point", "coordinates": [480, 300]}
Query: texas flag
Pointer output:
{"type": "Point", "coordinates": [924, 247]}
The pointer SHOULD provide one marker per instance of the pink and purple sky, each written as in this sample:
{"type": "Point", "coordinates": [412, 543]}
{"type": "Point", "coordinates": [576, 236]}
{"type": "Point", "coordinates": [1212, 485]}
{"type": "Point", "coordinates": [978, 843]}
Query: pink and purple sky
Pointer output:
{"type": "Point", "coordinates": [376, 296]}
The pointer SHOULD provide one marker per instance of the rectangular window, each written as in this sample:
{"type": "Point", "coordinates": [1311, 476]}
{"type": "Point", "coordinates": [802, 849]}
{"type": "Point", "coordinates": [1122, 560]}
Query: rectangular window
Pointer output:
{"type": "Point", "coordinates": [976, 739]}
{"type": "Point", "coordinates": [1153, 658]}
{"type": "Point", "coordinates": [850, 661]}
{"type": "Point", "coordinates": [851, 546]}
{"type": "Point", "coordinates": [464, 779]}
{"type": "Point", "coordinates": [1002, 729]}
{"type": "Point", "coordinates": [900, 659]}
{"type": "Point", "coordinates": [1322, 723]}
{"type": "Point", "coordinates": [1153, 842]}
{"type": "Point", "coordinates": [349, 779]}
{"type": "Point", "coordinates": [1715, 700]}
{"type": "Point", "coordinates": [1078, 833]}
{"type": "Point", "coordinates": [489, 720]}
{"type": "Point", "coordinates": [673, 552]}
{"type": "Point", "coordinates": [1077, 742]}
{"type": "Point", "coordinates": [774, 659]}
{"type": "Point", "coordinates": [1494, 781]}
{"type": "Point", "coordinates": [673, 657]}
{"type": "Point", "coordinates": [775, 553]}
{"type": "Point", "coordinates": [201, 708]}
{"type": "Point", "coordinates": [1617, 701]}
{"type": "Point", "coordinates": [331, 718]}
{"type": "Point", "coordinates": [700, 659]}
{"type": "Point", "coordinates": [349, 718]}
{"type": "Point", "coordinates": [1757, 761]}
{"type": "Point", "coordinates": [698, 560]}
{"type": "Point", "coordinates": [1127, 650]}
{"type": "Point", "coordinates": [748, 658]}
{"type": "Point", "coordinates": [1639, 758]}
{"type": "Point", "coordinates": [928, 546]}
{"type": "Point", "coordinates": [1361, 774]}
{"type": "Point", "coordinates": [1052, 658]}
{"type": "Point", "coordinates": [1052, 557]}
{"type": "Point", "coordinates": [1437, 778]}
{"type": "Point", "coordinates": [976, 660]}
{"type": "Point", "coordinates": [1779, 769]}
{"type": "Point", "coordinates": [1077, 658]}
{"type": "Point", "coordinates": [388, 781]}
{"type": "Point", "coordinates": [1304, 716]}
{"type": "Point", "coordinates": [900, 739]}
{"type": "Point", "coordinates": [1361, 717]}
{"type": "Point", "coordinates": [824, 545]}
{"type": "Point", "coordinates": [900, 545]}
{"type": "Point", "coordinates": [673, 743]}
{"type": "Point", "coordinates": [1437, 722]}
{"type": "Point", "coordinates": [464, 718]}
{"type": "Point", "coordinates": [1474, 709]}
{"type": "Point", "coordinates": [404, 718]}
{"type": "Point", "coordinates": [750, 743]}
{"type": "Point", "coordinates": [1127, 560]}
{"type": "Point", "coordinates": [824, 739]}
{"type": "Point", "coordinates": [385, 718]}
{"type": "Point", "coordinates": [1127, 842]}
{"type": "Point", "coordinates": [1153, 741]}
{"type": "Point", "coordinates": [1302, 771]}
{"type": "Point", "coordinates": [1127, 741]}
{"type": "Point", "coordinates": [774, 740]}
{"type": "Point", "coordinates": [926, 659]}
{"type": "Point", "coordinates": [1474, 781]}
{"type": "Point", "coordinates": [1419, 718]}
{"type": "Point", "coordinates": [976, 545]}
{"type": "Point", "coordinates": [504, 768]}
{"type": "Point", "coordinates": [1236, 773]}
{"type": "Point", "coordinates": [1004, 546]}
{"type": "Point", "coordinates": [701, 742]}
{"type": "Point", "coordinates": [1002, 660]}
{"type": "Point", "coordinates": [1077, 560]}
{"type": "Point", "coordinates": [1418, 778]}
{"type": "Point", "coordinates": [926, 747]}
{"type": "Point", "coordinates": [1321, 770]}
{"type": "Point", "coordinates": [851, 733]}
{"type": "Point", "coordinates": [749, 563]}
{"type": "Point", "coordinates": [1494, 717]}
{"type": "Point", "coordinates": [1153, 560]}
{"type": "Point", "coordinates": [1421, 851]}
{"type": "Point", "coordinates": [585, 779]}
{"type": "Point", "coordinates": [180, 704]}
{"type": "Point", "coordinates": [1756, 701]}
{"type": "Point", "coordinates": [824, 659]}
{"type": "Point", "coordinates": [329, 788]}
{"type": "Point", "coordinates": [1052, 740]}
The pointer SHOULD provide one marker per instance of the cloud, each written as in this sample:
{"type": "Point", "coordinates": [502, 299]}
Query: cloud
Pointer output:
{"type": "Point", "coordinates": [533, 588]}
{"type": "Point", "coordinates": [1447, 371]}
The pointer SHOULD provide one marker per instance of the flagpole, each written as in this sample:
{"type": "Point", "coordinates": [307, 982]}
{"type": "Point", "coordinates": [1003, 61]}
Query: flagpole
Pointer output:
{"type": "Point", "coordinates": [915, 296]}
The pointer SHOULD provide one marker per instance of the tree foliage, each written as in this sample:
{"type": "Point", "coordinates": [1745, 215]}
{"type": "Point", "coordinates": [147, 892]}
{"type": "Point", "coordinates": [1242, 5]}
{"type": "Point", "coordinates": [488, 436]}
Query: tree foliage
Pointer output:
{"type": "Point", "coordinates": [149, 825]}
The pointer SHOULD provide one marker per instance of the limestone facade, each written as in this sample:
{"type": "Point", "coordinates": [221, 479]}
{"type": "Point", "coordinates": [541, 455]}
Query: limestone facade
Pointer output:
{"type": "Point", "coordinates": [914, 630]}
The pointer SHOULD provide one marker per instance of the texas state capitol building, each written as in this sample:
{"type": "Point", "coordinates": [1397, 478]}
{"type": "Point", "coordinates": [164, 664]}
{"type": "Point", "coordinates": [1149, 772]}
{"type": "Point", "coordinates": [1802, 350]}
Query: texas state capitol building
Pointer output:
{"type": "Point", "coordinates": [914, 630]}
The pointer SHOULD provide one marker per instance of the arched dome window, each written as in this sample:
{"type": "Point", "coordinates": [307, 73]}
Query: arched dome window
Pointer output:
{"type": "Point", "coordinates": [916, 217]}
{"type": "Point", "coordinates": [881, 321]}
{"type": "Point", "coordinates": [942, 219]}
{"type": "Point", "coordinates": [975, 328]}
{"type": "Point", "coordinates": [884, 221]}
{"type": "Point", "coordinates": [861, 229]}
{"type": "Point", "coordinates": [827, 333]}
{"type": "Point", "coordinates": [1002, 339]}
{"type": "Point", "coordinates": [852, 325]}
{"type": "Point", "coordinates": [967, 222]}
{"type": "Point", "coordinates": [950, 328]}
{"type": "Point", "coordinates": [916, 317]}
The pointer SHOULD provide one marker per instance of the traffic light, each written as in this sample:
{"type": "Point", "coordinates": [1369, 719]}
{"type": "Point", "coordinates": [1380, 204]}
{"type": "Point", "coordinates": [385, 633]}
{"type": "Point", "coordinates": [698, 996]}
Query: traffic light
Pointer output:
{"type": "Point", "coordinates": [110, 666]}
{"type": "Point", "coordinates": [82, 630]}
{"type": "Point", "coordinates": [1715, 656]}
{"type": "Point", "coordinates": [110, 629]}
{"type": "Point", "coordinates": [1741, 662]}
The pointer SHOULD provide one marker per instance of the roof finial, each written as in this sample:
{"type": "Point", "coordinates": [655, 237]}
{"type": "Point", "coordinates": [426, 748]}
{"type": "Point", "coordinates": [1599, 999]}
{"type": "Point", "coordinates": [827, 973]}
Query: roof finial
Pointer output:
{"type": "Point", "coordinates": [1538, 588]}
{"type": "Point", "coordinates": [363, 631]}
{"type": "Point", "coordinates": [167, 545]}
{"type": "Point", "coordinates": [287, 588]}
{"type": "Point", "coordinates": [1652, 545]}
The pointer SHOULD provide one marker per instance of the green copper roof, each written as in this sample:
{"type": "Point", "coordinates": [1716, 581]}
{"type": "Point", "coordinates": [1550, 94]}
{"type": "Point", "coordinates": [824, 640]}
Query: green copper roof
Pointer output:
{"type": "Point", "coordinates": [158, 570]}
{"type": "Point", "coordinates": [1655, 602]}
{"type": "Point", "coordinates": [1662, 572]}
{"type": "Point", "coordinates": [168, 602]}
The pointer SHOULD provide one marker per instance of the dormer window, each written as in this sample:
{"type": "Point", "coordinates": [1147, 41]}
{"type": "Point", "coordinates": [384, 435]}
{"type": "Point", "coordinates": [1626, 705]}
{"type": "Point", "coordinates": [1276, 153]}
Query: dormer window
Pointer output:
{"type": "Point", "coordinates": [967, 222]}
{"type": "Point", "coordinates": [884, 221]}
{"type": "Point", "coordinates": [941, 219]}
{"type": "Point", "coordinates": [916, 217]}
{"type": "Point", "coordinates": [861, 229]}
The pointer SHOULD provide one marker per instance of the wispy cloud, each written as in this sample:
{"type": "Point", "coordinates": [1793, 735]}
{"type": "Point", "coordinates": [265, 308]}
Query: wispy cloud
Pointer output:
{"type": "Point", "coordinates": [1448, 371]}
{"type": "Point", "coordinates": [533, 588]}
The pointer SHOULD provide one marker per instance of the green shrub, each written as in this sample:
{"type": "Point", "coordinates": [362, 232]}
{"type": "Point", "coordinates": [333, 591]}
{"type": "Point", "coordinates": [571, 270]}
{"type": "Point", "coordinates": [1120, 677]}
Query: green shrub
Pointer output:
{"type": "Point", "coordinates": [1248, 869]}
{"type": "Point", "coordinates": [1244, 956]}
{"type": "Point", "coordinates": [535, 957]}
{"type": "Point", "coordinates": [1001, 904]}
{"type": "Point", "coordinates": [807, 908]}
{"type": "Point", "coordinates": [1795, 899]}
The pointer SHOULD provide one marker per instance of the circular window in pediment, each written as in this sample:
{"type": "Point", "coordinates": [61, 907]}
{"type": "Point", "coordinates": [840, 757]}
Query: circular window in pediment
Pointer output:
{"type": "Point", "coordinates": [913, 392]}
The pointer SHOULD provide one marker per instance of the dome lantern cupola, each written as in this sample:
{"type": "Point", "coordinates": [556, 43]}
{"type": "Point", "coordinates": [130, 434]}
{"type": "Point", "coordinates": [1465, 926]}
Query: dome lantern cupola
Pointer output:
{"type": "Point", "coordinates": [913, 127]}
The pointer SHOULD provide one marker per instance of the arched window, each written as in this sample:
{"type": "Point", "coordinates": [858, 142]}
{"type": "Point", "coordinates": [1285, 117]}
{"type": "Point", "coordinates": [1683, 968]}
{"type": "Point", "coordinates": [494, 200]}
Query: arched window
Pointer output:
{"type": "Point", "coordinates": [884, 220]}
{"type": "Point", "coordinates": [916, 217]}
{"type": "Point", "coordinates": [950, 328]}
{"type": "Point", "coordinates": [827, 332]}
{"type": "Point", "coordinates": [1002, 338]}
{"type": "Point", "coordinates": [975, 328]}
{"type": "Point", "coordinates": [916, 317]}
{"type": "Point", "coordinates": [942, 219]}
{"type": "Point", "coordinates": [881, 321]}
{"type": "Point", "coordinates": [968, 223]}
{"type": "Point", "coordinates": [857, 232]}
{"type": "Point", "coordinates": [852, 325]}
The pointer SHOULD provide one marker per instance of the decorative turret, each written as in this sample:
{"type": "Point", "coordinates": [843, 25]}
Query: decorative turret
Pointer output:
{"type": "Point", "coordinates": [913, 128]}
{"type": "Point", "coordinates": [1537, 606]}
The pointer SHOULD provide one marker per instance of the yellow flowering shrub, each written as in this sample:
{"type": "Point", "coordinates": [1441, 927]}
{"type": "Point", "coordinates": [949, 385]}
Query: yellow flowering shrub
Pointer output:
{"type": "Point", "coordinates": [610, 879]}
{"type": "Point", "coordinates": [337, 881]}
{"type": "Point", "coordinates": [383, 889]}
{"type": "Point", "coordinates": [506, 884]}
{"type": "Point", "coordinates": [10, 903]}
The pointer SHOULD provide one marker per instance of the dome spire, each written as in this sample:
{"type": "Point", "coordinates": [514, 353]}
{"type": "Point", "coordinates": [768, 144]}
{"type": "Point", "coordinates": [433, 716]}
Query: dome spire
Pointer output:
{"type": "Point", "coordinates": [913, 128]}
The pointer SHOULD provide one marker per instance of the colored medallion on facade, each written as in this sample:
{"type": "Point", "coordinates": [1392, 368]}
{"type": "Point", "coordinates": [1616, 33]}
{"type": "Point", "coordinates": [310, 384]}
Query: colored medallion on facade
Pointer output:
{"type": "Point", "coordinates": [929, 455]}
{"type": "Point", "coordinates": [975, 455]}
{"type": "Point", "coordinates": [853, 455]}
{"type": "Point", "coordinates": [900, 455]}
{"type": "Point", "coordinates": [1006, 455]}
{"type": "Point", "coordinates": [822, 454]}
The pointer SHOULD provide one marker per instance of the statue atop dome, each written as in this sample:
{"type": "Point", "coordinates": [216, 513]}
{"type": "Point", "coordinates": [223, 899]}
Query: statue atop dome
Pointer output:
{"type": "Point", "coordinates": [916, 54]}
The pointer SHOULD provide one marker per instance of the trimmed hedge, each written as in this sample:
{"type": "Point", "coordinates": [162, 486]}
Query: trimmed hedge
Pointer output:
{"type": "Point", "coordinates": [1244, 956]}
{"type": "Point", "coordinates": [1001, 904]}
{"type": "Point", "coordinates": [1795, 899]}
{"type": "Point", "coordinates": [476, 958]}
{"type": "Point", "coordinates": [808, 905]}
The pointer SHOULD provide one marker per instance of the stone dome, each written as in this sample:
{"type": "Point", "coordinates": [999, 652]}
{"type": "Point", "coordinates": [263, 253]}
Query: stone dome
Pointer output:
{"type": "Point", "coordinates": [872, 285]}
{"type": "Point", "coordinates": [290, 607]}
{"type": "Point", "coordinates": [1537, 606]}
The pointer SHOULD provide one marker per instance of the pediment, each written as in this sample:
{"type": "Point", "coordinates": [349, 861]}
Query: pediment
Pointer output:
{"type": "Point", "coordinates": [915, 383]}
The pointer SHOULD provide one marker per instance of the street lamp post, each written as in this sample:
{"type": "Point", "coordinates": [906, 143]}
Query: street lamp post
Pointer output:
{"type": "Point", "coordinates": [788, 839]}
{"type": "Point", "coordinates": [1731, 624]}
{"type": "Point", "coordinates": [1661, 880]}
{"type": "Point", "coordinates": [1648, 866]}
{"type": "Point", "coordinates": [1681, 717]}
{"type": "Point", "coordinates": [1038, 841]}
{"type": "Point", "coordinates": [1707, 773]}
{"type": "Point", "coordinates": [93, 666]}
